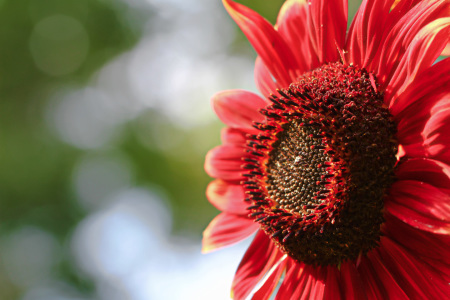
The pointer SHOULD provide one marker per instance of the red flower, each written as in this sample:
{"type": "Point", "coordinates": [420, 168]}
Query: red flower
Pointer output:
{"type": "Point", "coordinates": [343, 167]}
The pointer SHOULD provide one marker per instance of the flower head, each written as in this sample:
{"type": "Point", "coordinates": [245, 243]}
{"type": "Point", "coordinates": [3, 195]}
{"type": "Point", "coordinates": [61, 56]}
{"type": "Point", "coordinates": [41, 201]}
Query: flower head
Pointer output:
{"type": "Point", "coordinates": [342, 168]}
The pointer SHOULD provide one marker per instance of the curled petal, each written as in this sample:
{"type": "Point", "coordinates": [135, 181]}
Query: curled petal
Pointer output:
{"type": "Point", "coordinates": [236, 136]}
{"type": "Point", "coordinates": [415, 219]}
{"type": "Point", "coordinates": [238, 108]}
{"type": "Point", "coordinates": [226, 229]}
{"type": "Point", "coordinates": [272, 49]}
{"type": "Point", "coordinates": [412, 19]}
{"type": "Point", "coordinates": [419, 97]}
{"type": "Point", "coordinates": [227, 197]}
{"type": "Point", "coordinates": [425, 48]}
{"type": "Point", "coordinates": [425, 170]}
{"type": "Point", "coordinates": [433, 139]}
{"type": "Point", "coordinates": [413, 124]}
{"type": "Point", "coordinates": [225, 162]}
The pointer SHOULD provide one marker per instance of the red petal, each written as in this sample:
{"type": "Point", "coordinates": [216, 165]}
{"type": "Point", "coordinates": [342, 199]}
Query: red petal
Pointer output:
{"type": "Point", "coordinates": [302, 282]}
{"type": "Point", "coordinates": [292, 26]}
{"type": "Point", "coordinates": [264, 80]}
{"type": "Point", "coordinates": [416, 279]}
{"type": "Point", "coordinates": [446, 51]}
{"type": "Point", "coordinates": [238, 108]}
{"type": "Point", "coordinates": [271, 281]}
{"type": "Point", "coordinates": [310, 282]}
{"type": "Point", "coordinates": [318, 284]}
{"type": "Point", "coordinates": [418, 242]}
{"type": "Point", "coordinates": [235, 136]}
{"type": "Point", "coordinates": [415, 121]}
{"type": "Point", "coordinates": [421, 54]}
{"type": "Point", "coordinates": [415, 219]}
{"type": "Point", "coordinates": [417, 97]}
{"type": "Point", "coordinates": [434, 139]}
{"type": "Point", "coordinates": [414, 107]}
{"type": "Point", "coordinates": [227, 197]}
{"type": "Point", "coordinates": [226, 229]}
{"type": "Point", "coordinates": [425, 170]}
{"type": "Point", "coordinates": [351, 282]}
{"type": "Point", "coordinates": [333, 289]}
{"type": "Point", "coordinates": [259, 258]}
{"type": "Point", "coordinates": [327, 27]}
{"type": "Point", "coordinates": [424, 200]}
{"type": "Point", "coordinates": [408, 19]}
{"type": "Point", "coordinates": [272, 49]}
{"type": "Point", "coordinates": [366, 30]}
{"type": "Point", "coordinates": [439, 266]}
{"type": "Point", "coordinates": [225, 162]}
{"type": "Point", "coordinates": [294, 284]}
{"type": "Point", "coordinates": [378, 282]}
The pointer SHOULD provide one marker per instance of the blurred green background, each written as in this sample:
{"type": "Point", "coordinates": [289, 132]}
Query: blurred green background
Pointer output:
{"type": "Point", "coordinates": [101, 99]}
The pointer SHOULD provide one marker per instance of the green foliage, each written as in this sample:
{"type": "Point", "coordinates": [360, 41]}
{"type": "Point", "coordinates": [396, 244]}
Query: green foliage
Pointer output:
{"type": "Point", "coordinates": [178, 170]}
{"type": "Point", "coordinates": [267, 9]}
{"type": "Point", "coordinates": [36, 167]}
{"type": "Point", "coordinates": [106, 29]}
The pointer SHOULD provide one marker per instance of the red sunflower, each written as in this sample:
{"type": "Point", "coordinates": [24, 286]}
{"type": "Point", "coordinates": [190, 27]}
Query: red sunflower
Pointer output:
{"type": "Point", "coordinates": [342, 168]}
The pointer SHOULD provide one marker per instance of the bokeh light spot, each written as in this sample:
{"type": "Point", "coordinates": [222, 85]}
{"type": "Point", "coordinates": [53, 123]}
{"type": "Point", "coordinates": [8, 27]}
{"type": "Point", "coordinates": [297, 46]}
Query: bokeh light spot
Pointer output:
{"type": "Point", "coordinates": [29, 255]}
{"type": "Point", "coordinates": [98, 178]}
{"type": "Point", "coordinates": [59, 45]}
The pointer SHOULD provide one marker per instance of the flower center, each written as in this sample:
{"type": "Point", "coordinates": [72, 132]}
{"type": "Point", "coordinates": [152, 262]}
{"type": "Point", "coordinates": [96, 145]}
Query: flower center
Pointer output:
{"type": "Point", "coordinates": [320, 166]}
